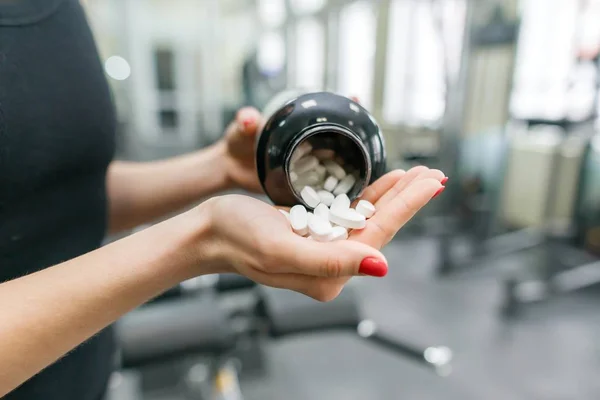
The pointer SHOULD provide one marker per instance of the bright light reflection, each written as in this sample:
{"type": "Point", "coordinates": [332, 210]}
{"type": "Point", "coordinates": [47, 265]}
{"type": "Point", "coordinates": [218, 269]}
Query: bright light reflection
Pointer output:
{"type": "Point", "coordinates": [117, 68]}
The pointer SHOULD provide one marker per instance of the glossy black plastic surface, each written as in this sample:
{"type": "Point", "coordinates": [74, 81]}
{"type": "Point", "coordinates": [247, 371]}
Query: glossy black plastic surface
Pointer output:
{"type": "Point", "coordinates": [326, 114]}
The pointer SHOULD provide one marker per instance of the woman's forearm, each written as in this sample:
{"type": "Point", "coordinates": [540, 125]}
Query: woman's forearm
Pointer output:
{"type": "Point", "coordinates": [48, 313]}
{"type": "Point", "coordinates": [143, 192]}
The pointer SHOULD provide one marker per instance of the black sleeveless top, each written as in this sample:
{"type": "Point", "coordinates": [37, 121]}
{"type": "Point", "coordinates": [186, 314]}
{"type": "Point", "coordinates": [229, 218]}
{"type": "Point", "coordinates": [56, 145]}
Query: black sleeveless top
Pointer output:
{"type": "Point", "coordinates": [57, 126]}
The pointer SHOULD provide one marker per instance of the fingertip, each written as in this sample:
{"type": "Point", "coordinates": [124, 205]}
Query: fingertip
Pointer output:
{"type": "Point", "coordinates": [438, 174]}
{"type": "Point", "coordinates": [419, 192]}
{"type": "Point", "coordinates": [429, 183]}
{"type": "Point", "coordinates": [248, 119]}
{"type": "Point", "coordinates": [359, 251]}
{"type": "Point", "coordinates": [373, 266]}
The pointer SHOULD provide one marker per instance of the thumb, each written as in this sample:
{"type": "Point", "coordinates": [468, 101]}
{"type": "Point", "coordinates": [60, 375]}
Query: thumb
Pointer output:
{"type": "Point", "coordinates": [332, 259]}
{"type": "Point", "coordinates": [247, 119]}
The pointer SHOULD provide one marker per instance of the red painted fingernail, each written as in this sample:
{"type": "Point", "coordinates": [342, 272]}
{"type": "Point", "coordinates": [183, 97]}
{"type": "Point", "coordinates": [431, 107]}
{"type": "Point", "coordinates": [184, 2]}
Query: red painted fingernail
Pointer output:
{"type": "Point", "coordinates": [443, 181]}
{"type": "Point", "coordinates": [439, 191]}
{"type": "Point", "coordinates": [248, 122]}
{"type": "Point", "coordinates": [373, 266]}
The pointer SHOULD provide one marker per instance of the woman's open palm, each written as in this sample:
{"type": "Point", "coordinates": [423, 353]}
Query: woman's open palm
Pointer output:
{"type": "Point", "coordinates": [256, 240]}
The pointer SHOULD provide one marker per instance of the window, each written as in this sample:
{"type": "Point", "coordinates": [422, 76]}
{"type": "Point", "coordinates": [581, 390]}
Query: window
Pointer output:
{"type": "Point", "coordinates": [271, 53]}
{"type": "Point", "coordinates": [310, 54]}
{"type": "Point", "coordinates": [357, 51]}
{"type": "Point", "coordinates": [423, 48]}
{"type": "Point", "coordinates": [303, 7]}
{"type": "Point", "coordinates": [165, 69]}
{"type": "Point", "coordinates": [550, 82]}
{"type": "Point", "coordinates": [272, 13]}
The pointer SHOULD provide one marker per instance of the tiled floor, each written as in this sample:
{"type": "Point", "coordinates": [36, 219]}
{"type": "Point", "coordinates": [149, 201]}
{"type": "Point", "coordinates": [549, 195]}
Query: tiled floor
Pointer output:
{"type": "Point", "coordinates": [552, 351]}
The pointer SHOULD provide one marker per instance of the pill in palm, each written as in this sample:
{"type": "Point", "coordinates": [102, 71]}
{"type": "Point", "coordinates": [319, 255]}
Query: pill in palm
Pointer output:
{"type": "Point", "coordinates": [299, 220]}
{"type": "Point", "coordinates": [365, 208]}
{"type": "Point", "coordinates": [334, 169]}
{"type": "Point", "coordinates": [326, 197]}
{"type": "Point", "coordinates": [338, 233]}
{"type": "Point", "coordinates": [305, 164]}
{"type": "Point", "coordinates": [341, 201]}
{"type": "Point", "coordinates": [348, 218]}
{"type": "Point", "coordinates": [310, 196]}
{"type": "Point", "coordinates": [322, 211]}
{"type": "Point", "coordinates": [330, 183]}
{"type": "Point", "coordinates": [345, 185]}
{"type": "Point", "coordinates": [319, 228]}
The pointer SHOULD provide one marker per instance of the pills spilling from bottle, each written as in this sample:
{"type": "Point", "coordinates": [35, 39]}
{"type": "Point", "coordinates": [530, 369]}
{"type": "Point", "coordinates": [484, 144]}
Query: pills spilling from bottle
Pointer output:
{"type": "Point", "coordinates": [322, 170]}
{"type": "Point", "coordinates": [323, 181]}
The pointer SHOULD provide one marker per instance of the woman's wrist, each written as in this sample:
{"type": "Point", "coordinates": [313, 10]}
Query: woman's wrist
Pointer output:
{"type": "Point", "coordinates": [218, 162]}
{"type": "Point", "coordinates": [195, 246]}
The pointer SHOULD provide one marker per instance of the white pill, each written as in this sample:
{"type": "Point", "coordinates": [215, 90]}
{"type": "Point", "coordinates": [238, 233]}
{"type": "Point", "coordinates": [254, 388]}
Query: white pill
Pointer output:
{"type": "Point", "coordinates": [310, 215]}
{"type": "Point", "coordinates": [365, 208]}
{"type": "Point", "coordinates": [326, 197]}
{"type": "Point", "coordinates": [322, 211]}
{"type": "Point", "coordinates": [334, 169]}
{"type": "Point", "coordinates": [319, 228]}
{"type": "Point", "coordinates": [330, 183]}
{"type": "Point", "coordinates": [321, 171]}
{"type": "Point", "coordinates": [299, 219]}
{"type": "Point", "coordinates": [310, 196]}
{"type": "Point", "coordinates": [338, 233]}
{"type": "Point", "coordinates": [300, 152]}
{"type": "Point", "coordinates": [324, 154]}
{"type": "Point", "coordinates": [307, 179]}
{"type": "Point", "coordinates": [341, 202]}
{"type": "Point", "coordinates": [345, 185]}
{"type": "Point", "coordinates": [305, 164]}
{"type": "Point", "coordinates": [347, 218]}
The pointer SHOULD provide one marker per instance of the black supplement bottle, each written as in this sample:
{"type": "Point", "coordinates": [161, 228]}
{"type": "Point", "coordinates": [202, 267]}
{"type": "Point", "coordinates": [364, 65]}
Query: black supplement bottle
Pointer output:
{"type": "Point", "coordinates": [326, 123]}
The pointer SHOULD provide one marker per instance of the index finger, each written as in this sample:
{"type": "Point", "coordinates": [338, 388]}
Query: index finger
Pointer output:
{"type": "Point", "coordinates": [388, 220]}
{"type": "Point", "coordinates": [378, 188]}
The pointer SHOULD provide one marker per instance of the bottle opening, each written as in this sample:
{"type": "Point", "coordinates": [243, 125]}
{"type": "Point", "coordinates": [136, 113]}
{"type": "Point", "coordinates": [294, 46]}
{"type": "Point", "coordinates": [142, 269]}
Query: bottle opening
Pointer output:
{"type": "Point", "coordinates": [328, 158]}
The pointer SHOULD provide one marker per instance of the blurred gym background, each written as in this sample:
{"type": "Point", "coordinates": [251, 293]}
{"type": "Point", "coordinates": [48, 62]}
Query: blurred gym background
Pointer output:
{"type": "Point", "coordinates": [502, 269]}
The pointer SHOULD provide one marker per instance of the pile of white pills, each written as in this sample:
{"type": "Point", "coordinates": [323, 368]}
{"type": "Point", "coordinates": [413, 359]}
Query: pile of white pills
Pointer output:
{"type": "Point", "coordinates": [327, 224]}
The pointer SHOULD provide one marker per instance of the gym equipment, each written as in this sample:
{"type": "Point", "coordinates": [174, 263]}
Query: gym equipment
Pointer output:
{"type": "Point", "coordinates": [540, 164]}
{"type": "Point", "coordinates": [471, 138]}
{"type": "Point", "coordinates": [211, 324]}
